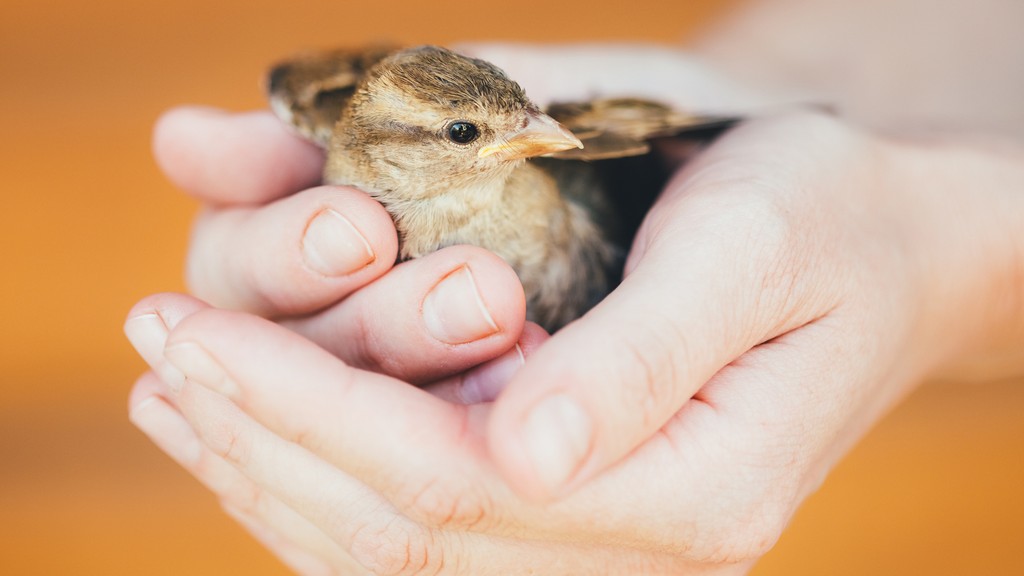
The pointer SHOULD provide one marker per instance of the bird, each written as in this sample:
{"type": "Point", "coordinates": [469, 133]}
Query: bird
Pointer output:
{"type": "Point", "coordinates": [457, 153]}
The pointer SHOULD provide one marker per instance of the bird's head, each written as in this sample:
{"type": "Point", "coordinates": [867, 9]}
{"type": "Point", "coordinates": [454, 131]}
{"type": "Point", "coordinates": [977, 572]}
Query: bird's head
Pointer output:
{"type": "Point", "coordinates": [434, 112]}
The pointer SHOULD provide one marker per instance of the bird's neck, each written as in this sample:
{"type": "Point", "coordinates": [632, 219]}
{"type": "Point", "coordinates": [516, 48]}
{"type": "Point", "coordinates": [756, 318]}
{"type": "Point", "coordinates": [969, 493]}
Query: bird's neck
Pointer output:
{"type": "Point", "coordinates": [428, 222]}
{"type": "Point", "coordinates": [431, 213]}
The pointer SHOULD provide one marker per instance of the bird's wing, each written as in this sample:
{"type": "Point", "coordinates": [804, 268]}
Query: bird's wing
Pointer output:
{"type": "Point", "coordinates": [619, 127]}
{"type": "Point", "coordinates": [310, 91]}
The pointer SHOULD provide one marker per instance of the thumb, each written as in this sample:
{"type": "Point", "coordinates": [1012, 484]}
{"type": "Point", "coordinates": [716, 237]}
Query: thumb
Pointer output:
{"type": "Point", "coordinates": [606, 383]}
{"type": "Point", "coordinates": [712, 274]}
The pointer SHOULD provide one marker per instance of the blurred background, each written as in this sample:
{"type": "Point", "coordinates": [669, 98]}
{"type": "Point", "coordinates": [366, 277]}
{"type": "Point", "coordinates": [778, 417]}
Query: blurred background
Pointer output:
{"type": "Point", "coordinates": [89, 226]}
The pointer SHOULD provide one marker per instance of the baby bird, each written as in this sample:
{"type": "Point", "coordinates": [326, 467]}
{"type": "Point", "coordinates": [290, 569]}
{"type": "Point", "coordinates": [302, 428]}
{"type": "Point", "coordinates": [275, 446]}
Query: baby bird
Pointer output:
{"type": "Point", "coordinates": [443, 142]}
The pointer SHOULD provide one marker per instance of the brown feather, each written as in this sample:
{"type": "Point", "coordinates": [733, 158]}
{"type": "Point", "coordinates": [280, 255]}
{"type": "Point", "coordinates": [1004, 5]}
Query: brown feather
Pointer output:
{"type": "Point", "coordinates": [620, 127]}
{"type": "Point", "coordinates": [382, 115]}
{"type": "Point", "coordinates": [310, 91]}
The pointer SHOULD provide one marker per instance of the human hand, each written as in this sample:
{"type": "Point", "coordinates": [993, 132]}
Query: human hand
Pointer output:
{"type": "Point", "coordinates": [343, 471]}
{"type": "Point", "coordinates": [783, 294]}
{"type": "Point", "coordinates": [801, 269]}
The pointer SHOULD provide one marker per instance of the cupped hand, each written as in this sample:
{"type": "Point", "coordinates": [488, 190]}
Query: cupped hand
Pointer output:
{"type": "Point", "coordinates": [792, 283]}
{"type": "Point", "coordinates": [344, 471]}
{"type": "Point", "coordinates": [790, 286]}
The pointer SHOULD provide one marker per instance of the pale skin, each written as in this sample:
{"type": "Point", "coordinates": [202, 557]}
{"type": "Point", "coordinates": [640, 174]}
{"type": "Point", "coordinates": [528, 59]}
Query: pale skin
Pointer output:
{"type": "Point", "coordinates": [793, 283]}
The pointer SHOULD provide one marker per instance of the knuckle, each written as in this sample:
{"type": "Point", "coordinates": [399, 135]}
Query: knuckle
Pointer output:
{"type": "Point", "coordinates": [769, 223]}
{"type": "Point", "coordinates": [441, 505]}
{"type": "Point", "coordinates": [396, 548]}
{"type": "Point", "coordinates": [262, 285]}
{"type": "Point", "coordinates": [764, 218]}
{"type": "Point", "coordinates": [231, 440]}
{"type": "Point", "coordinates": [758, 206]}
{"type": "Point", "coordinates": [656, 357]}
{"type": "Point", "coordinates": [777, 239]}
{"type": "Point", "coordinates": [246, 498]}
{"type": "Point", "coordinates": [370, 350]}
{"type": "Point", "coordinates": [233, 489]}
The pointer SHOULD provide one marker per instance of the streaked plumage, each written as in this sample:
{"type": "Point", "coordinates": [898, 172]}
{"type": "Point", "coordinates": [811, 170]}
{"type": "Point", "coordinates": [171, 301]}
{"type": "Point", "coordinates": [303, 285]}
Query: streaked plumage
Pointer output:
{"type": "Point", "coordinates": [443, 142]}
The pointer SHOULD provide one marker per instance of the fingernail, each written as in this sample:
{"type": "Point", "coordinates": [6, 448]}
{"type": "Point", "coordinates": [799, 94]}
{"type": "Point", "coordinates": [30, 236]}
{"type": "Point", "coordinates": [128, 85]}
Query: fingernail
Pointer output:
{"type": "Point", "coordinates": [200, 367]}
{"type": "Point", "coordinates": [454, 312]}
{"type": "Point", "coordinates": [148, 335]}
{"type": "Point", "coordinates": [487, 381]}
{"type": "Point", "coordinates": [333, 246]}
{"type": "Point", "coordinates": [557, 436]}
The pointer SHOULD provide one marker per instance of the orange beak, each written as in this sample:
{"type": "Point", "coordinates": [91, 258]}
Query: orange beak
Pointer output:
{"type": "Point", "coordinates": [541, 135]}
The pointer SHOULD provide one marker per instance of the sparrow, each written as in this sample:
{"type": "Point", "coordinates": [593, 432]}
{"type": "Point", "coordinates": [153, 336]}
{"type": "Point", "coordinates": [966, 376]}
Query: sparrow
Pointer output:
{"type": "Point", "coordinates": [458, 154]}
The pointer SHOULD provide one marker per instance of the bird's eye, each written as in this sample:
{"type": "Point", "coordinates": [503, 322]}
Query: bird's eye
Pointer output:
{"type": "Point", "coordinates": [462, 132]}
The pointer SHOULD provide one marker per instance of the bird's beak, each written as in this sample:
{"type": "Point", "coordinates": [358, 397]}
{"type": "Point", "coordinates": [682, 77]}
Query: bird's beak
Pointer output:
{"type": "Point", "coordinates": [541, 135]}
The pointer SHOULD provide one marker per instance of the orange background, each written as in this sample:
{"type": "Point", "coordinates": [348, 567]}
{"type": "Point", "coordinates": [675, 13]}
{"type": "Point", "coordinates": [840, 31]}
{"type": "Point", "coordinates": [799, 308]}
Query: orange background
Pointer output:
{"type": "Point", "coordinates": [89, 226]}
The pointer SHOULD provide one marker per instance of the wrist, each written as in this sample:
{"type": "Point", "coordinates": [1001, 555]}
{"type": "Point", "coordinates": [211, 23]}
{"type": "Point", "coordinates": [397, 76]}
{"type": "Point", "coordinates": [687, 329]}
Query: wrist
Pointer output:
{"type": "Point", "coordinates": [970, 199]}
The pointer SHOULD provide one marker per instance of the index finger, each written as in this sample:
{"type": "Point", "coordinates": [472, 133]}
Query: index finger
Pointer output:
{"type": "Point", "coordinates": [233, 158]}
